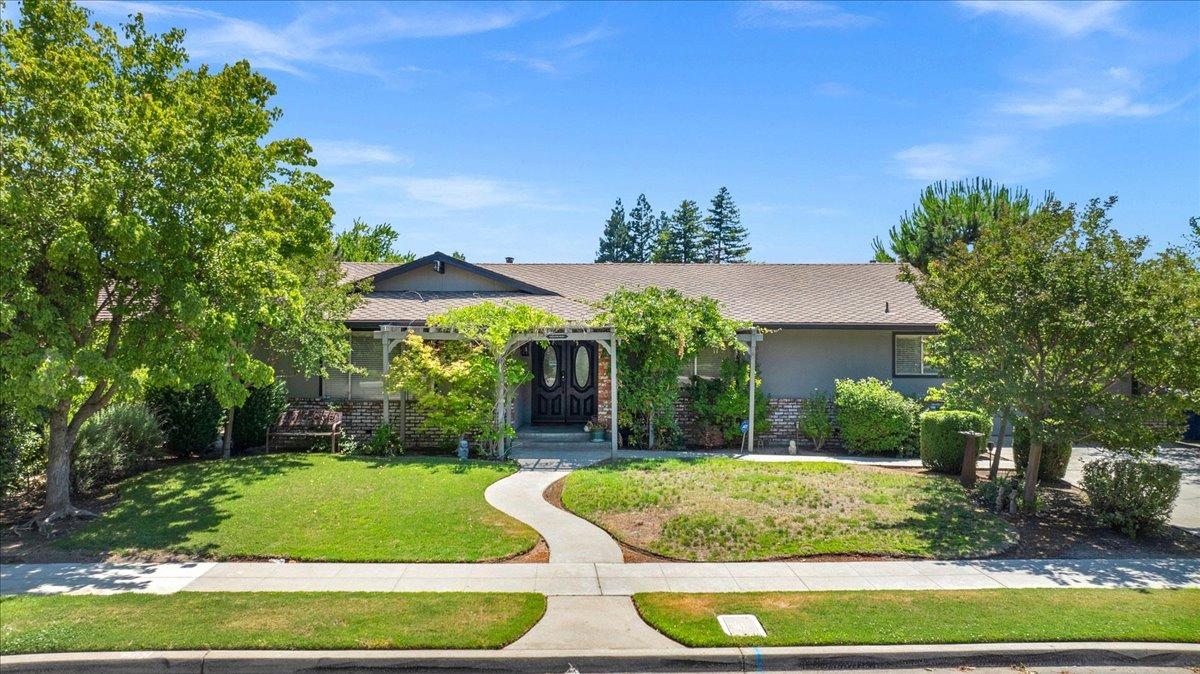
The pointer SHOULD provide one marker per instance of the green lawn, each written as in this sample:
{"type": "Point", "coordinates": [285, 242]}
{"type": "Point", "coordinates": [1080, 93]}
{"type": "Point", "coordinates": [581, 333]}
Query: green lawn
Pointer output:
{"type": "Point", "coordinates": [313, 507]}
{"type": "Point", "coordinates": [721, 509]}
{"type": "Point", "coordinates": [265, 620]}
{"type": "Point", "coordinates": [938, 617]}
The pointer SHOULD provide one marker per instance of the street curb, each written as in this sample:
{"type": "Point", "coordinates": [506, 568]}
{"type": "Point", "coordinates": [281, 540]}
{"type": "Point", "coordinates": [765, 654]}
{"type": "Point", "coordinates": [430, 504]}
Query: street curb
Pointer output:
{"type": "Point", "coordinates": [682, 660]}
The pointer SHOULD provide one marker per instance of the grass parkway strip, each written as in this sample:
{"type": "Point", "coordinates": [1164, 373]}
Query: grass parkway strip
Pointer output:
{"type": "Point", "coordinates": [945, 617]}
{"type": "Point", "coordinates": [266, 620]}
{"type": "Point", "coordinates": [313, 507]}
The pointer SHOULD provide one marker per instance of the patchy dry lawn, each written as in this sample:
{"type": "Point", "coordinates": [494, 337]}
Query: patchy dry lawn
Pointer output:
{"type": "Point", "coordinates": [265, 620]}
{"type": "Point", "coordinates": [937, 617]}
{"type": "Point", "coordinates": [722, 509]}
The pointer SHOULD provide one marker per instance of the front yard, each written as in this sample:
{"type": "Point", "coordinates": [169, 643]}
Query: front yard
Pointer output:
{"type": "Point", "coordinates": [722, 509]}
{"type": "Point", "coordinates": [937, 617]}
{"type": "Point", "coordinates": [311, 507]}
{"type": "Point", "coordinates": [265, 620]}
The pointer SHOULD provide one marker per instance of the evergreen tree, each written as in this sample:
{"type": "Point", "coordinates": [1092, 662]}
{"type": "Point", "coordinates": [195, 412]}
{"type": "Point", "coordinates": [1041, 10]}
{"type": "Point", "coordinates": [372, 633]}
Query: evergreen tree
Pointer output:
{"type": "Point", "coordinates": [614, 242]}
{"type": "Point", "coordinates": [724, 237]}
{"type": "Point", "coordinates": [643, 231]}
{"type": "Point", "coordinates": [682, 234]}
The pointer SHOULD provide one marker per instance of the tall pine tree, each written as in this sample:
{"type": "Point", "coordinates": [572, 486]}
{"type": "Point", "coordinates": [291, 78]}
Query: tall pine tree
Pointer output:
{"type": "Point", "coordinates": [643, 230]}
{"type": "Point", "coordinates": [682, 234]}
{"type": "Point", "coordinates": [724, 236]}
{"type": "Point", "coordinates": [615, 241]}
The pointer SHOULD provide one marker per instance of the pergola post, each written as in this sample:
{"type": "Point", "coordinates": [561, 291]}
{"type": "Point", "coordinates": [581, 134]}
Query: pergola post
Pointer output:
{"type": "Point", "coordinates": [612, 406]}
{"type": "Point", "coordinates": [753, 372]}
{"type": "Point", "coordinates": [501, 412]}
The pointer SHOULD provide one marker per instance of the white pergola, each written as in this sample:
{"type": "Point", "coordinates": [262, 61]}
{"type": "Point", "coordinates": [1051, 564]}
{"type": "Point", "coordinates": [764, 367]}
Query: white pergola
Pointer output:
{"type": "Point", "coordinates": [393, 335]}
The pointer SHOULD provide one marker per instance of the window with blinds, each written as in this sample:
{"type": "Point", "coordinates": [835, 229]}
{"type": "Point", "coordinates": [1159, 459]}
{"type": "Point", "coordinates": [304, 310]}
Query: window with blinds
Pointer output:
{"type": "Point", "coordinates": [909, 356]}
{"type": "Point", "coordinates": [365, 352]}
{"type": "Point", "coordinates": [706, 364]}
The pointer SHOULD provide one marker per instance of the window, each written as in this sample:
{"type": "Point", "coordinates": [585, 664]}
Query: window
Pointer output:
{"type": "Point", "coordinates": [908, 356]}
{"type": "Point", "coordinates": [705, 364]}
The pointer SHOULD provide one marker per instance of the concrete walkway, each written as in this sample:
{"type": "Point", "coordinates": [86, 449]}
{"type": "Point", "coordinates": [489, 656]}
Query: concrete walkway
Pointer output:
{"type": "Point", "coordinates": [570, 538]}
{"type": "Point", "coordinates": [572, 624]}
{"type": "Point", "coordinates": [600, 579]}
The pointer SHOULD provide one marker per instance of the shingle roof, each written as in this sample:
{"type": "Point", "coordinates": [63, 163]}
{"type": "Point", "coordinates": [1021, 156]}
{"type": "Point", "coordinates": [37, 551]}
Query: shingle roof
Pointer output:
{"type": "Point", "coordinates": [768, 294]}
{"type": "Point", "coordinates": [414, 306]}
{"type": "Point", "coordinates": [357, 271]}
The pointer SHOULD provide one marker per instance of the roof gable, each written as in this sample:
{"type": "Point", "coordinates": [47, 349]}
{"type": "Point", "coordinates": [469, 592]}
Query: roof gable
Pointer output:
{"type": "Point", "coordinates": [439, 272]}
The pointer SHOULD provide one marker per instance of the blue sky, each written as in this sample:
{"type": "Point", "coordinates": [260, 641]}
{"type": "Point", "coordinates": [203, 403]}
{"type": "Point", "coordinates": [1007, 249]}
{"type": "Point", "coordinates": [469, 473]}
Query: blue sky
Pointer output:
{"type": "Point", "coordinates": [509, 129]}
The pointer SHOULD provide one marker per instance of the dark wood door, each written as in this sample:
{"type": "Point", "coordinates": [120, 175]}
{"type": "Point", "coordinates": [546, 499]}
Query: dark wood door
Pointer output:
{"type": "Point", "coordinates": [564, 382]}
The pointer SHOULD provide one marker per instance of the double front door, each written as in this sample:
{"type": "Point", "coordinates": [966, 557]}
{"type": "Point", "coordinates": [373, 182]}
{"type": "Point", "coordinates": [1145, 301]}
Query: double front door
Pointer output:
{"type": "Point", "coordinates": [564, 382]}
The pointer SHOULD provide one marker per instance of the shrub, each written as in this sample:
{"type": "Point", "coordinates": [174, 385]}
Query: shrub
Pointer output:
{"type": "Point", "coordinates": [1132, 496]}
{"type": "Point", "coordinates": [118, 441]}
{"type": "Point", "coordinates": [190, 419]}
{"type": "Point", "coordinates": [261, 409]}
{"type": "Point", "coordinates": [1055, 455]}
{"type": "Point", "coordinates": [942, 444]}
{"type": "Point", "coordinates": [22, 451]}
{"type": "Point", "coordinates": [384, 442]}
{"type": "Point", "coordinates": [814, 420]}
{"type": "Point", "coordinates": [724, 402]}
{"type": "Point", "coordinates": [873, 417]}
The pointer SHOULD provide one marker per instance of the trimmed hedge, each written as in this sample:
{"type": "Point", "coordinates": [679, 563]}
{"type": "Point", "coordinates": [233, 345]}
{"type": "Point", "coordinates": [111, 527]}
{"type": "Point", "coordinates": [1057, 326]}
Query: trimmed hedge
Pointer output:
{"type": "Point", "coordinates": [941, 444]}
{"type": "Point", "coordinates": [874, 418]}
{"type": "Point", "coordinates": [1055, 455]}
{"type": "Point", "coordinates": [254, 418]}
{"type": "Point", "coordinates": [191, 418]}
{"type": "Point", "coordinates": [1132, 496]}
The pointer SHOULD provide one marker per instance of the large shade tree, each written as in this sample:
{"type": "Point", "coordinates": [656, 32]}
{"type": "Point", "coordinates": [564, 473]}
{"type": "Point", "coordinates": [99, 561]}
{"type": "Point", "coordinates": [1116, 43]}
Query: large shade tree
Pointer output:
{"type": "Point", "coordinates": [150, 233]}
{"type": "Point", "coordinates": [949, 213]}
{"type": "Point", "coordinates": [369, 243]}
{"type": "Point", "coordinates": [1052, 313]}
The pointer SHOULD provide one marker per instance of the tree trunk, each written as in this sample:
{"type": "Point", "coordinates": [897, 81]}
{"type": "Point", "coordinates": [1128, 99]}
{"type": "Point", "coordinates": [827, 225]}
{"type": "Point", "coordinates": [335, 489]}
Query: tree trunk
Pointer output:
{"type": "Point", "coordinates": [994, 469]}
{"type": "Point", "coordinates": [227, 437]}
{"type": "Point", "coordinates": [58, 470]}
{"type": "Point", "coordinates": [1034, 465]}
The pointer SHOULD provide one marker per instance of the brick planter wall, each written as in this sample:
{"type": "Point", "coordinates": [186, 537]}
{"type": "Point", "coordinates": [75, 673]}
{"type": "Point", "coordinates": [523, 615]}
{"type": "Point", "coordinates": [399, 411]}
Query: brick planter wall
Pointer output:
{"type": "Point", "coordinates": [782, 414]}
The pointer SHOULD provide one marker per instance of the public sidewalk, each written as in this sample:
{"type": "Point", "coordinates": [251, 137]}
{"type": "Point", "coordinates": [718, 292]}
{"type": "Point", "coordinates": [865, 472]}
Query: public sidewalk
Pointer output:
{"type": "Point", "coordinates": [599, 579]}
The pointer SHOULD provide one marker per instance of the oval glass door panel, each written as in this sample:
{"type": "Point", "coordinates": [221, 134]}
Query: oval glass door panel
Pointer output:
{"type": "Point", "coordinates": [550, 367]}
{"type": "Point", "coordinates": [583, 367]}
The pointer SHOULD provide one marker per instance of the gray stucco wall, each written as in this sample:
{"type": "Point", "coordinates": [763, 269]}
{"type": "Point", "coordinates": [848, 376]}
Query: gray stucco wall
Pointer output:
{"type": "Point", "coordinates": [794, 362]}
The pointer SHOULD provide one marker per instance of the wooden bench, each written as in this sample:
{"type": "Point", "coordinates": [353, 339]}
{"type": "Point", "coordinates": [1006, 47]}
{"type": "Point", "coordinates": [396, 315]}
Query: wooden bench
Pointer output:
{"type": "Point", "coordinates": [307, 424]}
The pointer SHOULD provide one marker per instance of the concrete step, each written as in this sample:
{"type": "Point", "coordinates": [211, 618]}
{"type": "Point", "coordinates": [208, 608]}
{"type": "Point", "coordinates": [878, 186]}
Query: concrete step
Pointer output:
{"type": "Point", "coordinates": [550, 445]}
{"type": "Point", "coordinates": [553, 435]}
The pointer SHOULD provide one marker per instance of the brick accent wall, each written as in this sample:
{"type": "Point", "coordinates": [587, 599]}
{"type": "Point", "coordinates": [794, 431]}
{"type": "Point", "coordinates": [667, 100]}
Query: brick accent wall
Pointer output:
{"type": "Point", "coordinates": [782, 415]}
{"type": "Point", "coordinates": [603, 387]}
{"type": "Point", "coordinates": [360, 418]}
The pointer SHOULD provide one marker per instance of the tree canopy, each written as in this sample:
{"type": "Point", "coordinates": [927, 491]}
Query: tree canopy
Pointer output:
{"type": "Point", "coordinates": [151, 233]}
{"type": "Point", "coordinates": [369, 243]}
{"type": "Point", "coordinates": [681, 236]}
{"type": "Point", "coordinates": [615, 241]}
{"type": "Point", "coordinates": [946, 214]}
{"type": "Point", "coordinates": [724, 236]}
{"type": "Point", "coordinates": [1051, 314]}
{"type": "Point", "coordinates": [644, 228]}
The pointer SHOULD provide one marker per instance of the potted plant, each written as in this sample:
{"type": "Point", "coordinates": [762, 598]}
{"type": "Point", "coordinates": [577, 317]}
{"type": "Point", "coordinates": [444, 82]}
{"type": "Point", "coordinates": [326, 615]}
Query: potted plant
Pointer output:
{"type": "Point", "coordinates": [596, 429]}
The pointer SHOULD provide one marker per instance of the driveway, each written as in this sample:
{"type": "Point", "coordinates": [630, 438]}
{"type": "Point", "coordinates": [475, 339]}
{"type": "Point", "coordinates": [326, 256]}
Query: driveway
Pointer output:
{"type": "Point", "coordinates": [1187, 506]}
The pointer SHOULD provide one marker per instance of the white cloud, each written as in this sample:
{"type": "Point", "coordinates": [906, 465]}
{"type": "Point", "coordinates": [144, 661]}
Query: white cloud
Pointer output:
{"type": "Point", "coordinates": [1076, 105]}
{"type": "Point", "coordinates": [329, 35]}
{"type": "Point", "coordinates": [597, 34]}
{"type": "Point", "coordinates": [352, 152]}
{"type": "Point", "coordinates": [800, 14]}
{"type": "Point", "coordinates": [533, 63]}
{"type": "Point", "coordinates": [464, 193]}
{"type": "Point", "coordinates": [1001, 157]}
{"type": "Point", "coordinates": [1072, 19]}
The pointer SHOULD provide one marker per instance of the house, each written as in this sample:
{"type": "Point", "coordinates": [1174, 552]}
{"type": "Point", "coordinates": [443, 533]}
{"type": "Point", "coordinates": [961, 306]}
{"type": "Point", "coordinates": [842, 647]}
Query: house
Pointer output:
{"type": "Point", "coordinates": [820, 322]}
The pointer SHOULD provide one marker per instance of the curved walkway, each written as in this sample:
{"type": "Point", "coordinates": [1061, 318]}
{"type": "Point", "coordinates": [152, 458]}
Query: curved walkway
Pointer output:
{"type": "Point", "coordinates": [571, 538]}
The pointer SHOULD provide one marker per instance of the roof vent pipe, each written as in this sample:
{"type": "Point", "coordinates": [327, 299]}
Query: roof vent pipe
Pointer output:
{"type": "Point", "coordinates": [508, 260]}
{"type": "Point", "coordinates": [887, 308]}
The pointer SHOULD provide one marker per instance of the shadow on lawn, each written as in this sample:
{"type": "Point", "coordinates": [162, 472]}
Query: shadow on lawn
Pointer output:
{"type": "Point", "coordinates": [949, 526]}
{"type": "Point", "coordinates": [159, 509]}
